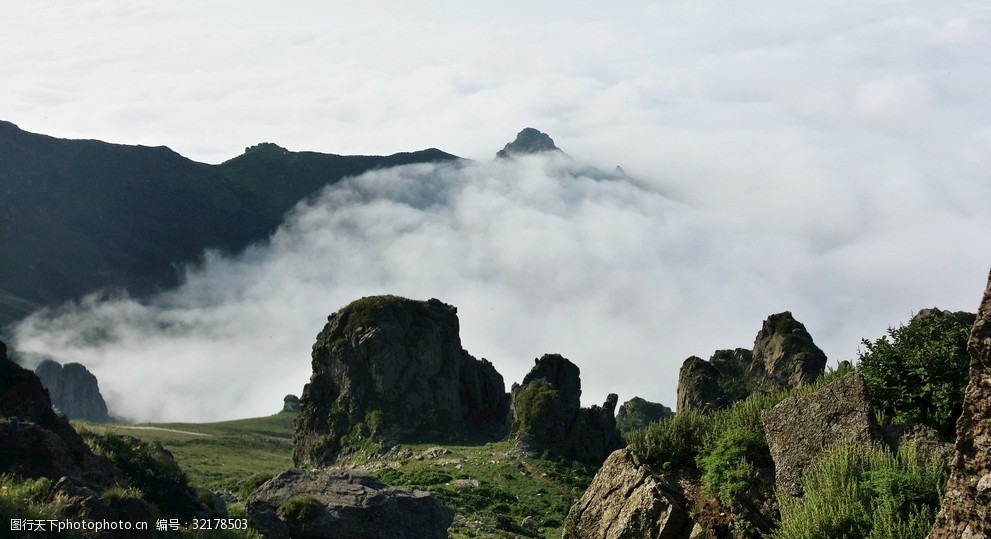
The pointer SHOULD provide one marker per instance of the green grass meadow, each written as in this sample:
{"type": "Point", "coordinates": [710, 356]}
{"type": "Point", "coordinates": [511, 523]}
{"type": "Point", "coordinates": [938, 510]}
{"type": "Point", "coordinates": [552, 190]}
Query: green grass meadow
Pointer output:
{"type": "Point", "coordinates": [491, 493]}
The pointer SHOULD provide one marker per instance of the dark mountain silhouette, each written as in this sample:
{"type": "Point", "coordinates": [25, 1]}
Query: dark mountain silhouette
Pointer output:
{"type": "Point", "coordinates": [80, 215]}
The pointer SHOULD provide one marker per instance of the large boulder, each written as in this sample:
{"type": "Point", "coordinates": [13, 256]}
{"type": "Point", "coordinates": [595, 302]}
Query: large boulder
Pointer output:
{"type": "Point", "coordinates": [966, 511]}
{"type": "Point", "coordinates": [333, 503]}
{"type": "Point", "coordinates": [547, 414]}
{"type": "Point", "coordinates": [290, 403]}
{"type": "Point", "coordinates": [386, 368]}
{"type": "Point", "coordinates": [783, 357]}
{"type": "Point", "coordinates": [626, 500]}
{"type": "Point", "coordinates": [800, 429]}
{"type": "Point", "coordinates": [698, 386]}
{"type": "Point", "coordinates": [74, 390]}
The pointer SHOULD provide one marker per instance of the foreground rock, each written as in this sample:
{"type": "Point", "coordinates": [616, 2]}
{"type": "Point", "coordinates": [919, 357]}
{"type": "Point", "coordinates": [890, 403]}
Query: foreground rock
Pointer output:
{"type": "Point", "coordinates": [342, 504]}
{"type": "Point", "coordinates": [966, 511]}
{"type": "Point", "coordinates": [784, 356]}
{"type": "Point", "coordinates": [74, 390]}
{"type": "Point", "coordinates": [800, 429]}
{"type": "Point", "coordinates": [547, 415]}
{"type": "Point", "coordinates": [625, 501]}
{"type": "Point", "coordinates": [386, 368]}
{"type": "Point", "coordinates": [38, 443]}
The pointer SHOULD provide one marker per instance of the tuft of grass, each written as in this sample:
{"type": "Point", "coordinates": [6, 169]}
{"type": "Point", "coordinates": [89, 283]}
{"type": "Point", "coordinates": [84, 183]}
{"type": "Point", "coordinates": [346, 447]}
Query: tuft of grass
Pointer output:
{"type": "Point", "coordinates": [30, 499]}
{"type": "Point", "coordinates": [299, 509]}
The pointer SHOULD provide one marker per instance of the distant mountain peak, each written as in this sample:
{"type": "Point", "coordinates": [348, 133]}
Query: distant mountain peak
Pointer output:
{"type": "Point", "coordinates": [528, 141]}
{"type": "Point", "coordinates": [266, 147]}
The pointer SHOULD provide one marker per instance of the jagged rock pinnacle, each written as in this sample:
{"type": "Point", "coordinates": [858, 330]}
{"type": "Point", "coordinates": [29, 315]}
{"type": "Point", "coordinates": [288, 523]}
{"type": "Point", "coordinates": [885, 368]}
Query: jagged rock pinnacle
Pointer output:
{"type": "Point", "coordinates": [528, 141]}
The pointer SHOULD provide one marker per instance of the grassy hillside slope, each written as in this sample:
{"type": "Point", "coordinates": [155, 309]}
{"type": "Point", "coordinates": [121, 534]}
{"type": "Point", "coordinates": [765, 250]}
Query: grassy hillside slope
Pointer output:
{"type": "Point", "coordinates": [491, 492]}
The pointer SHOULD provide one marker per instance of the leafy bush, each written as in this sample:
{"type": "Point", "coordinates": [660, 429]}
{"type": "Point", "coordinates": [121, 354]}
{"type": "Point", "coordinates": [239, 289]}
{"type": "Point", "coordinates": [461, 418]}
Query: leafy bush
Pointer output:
{"type": "Point", "coordinates": [299, 509]}
{"type": "Point", "coordinates": [919, 375]}
{"type": "Point", "coordinates": [535, 402]}
{"type": "Point", "coordinates": [730, 466]}
{"type": "Point", "coordinates": [866, 493]}
{"type": "Point", "coordinates": [672, 443]}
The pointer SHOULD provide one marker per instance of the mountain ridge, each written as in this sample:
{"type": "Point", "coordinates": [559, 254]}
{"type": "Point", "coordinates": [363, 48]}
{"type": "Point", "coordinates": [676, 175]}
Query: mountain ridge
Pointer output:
{"type": "Point", "coordinates": [80, 215]}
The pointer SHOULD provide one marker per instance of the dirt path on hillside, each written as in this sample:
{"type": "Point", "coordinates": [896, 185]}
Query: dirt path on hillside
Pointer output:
{"type": "Point", "coordinates": [167, 430]}
{"type": "Point", "coordinates": [535, 473]}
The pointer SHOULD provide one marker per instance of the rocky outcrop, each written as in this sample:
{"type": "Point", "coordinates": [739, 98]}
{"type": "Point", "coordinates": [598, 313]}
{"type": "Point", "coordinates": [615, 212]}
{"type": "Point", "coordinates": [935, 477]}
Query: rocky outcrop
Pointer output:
{"type": "Point", "coordinates": [290, 403]}
{"type": "Point", "coordinates": [38, 443]}
{"type": "Point", "coordinates": [698, 386]}
{"type": "Point", "coordinates": [783, 357]}
{"type": "Point", "coordinates": [637, 413]}
{"type": "Point", "coordinates": [547, 414]}
{"type": "Point", "coordinates": [385, 368]}
{"type": "Point", "coordinates": [73, 390]}
{"type": "Point", "coordinates": [966, 511]}
{"type": "Point", "coordinates": [528, 141]}
{"type": "Point", "coordinates": [344, 504]}
{"type": "Point", "coordinates": [799, 429]}
{"type": "Point", "coordinates": [627, 500]}
{"type": "Point", "coordinates": [84, 503]}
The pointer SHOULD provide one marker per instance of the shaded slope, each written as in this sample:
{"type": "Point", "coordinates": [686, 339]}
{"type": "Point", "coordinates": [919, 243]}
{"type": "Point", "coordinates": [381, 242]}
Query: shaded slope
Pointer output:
{"type": "Point", "coordinates": [78, 215]}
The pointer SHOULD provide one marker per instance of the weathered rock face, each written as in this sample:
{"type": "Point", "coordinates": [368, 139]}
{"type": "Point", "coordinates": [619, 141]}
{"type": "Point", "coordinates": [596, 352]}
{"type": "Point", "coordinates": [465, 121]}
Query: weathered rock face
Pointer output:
{"type": "Point", "coordinates": [626, 501]}
{"type": "Point", "coordinates": [290, 403]}
{"type": "Point", "coordinates": [348, 505]}
{"type": "Point", "coordinates": [783, 357]}
{"type": "Point", "coordinates": [36, 442]}
{"type": "Point", "coordinates": [966, 511]}
{"type": "Point", "coordinates": [637, 413]}
{"type": "Point", "coordinates": [528, 141]}
{"type": "Point", "coordinates": [389, 367]}
{"type": "Point", "coordinates": [547, 414]}
{"type": "Point", "coordinates": [74, 390]}
{"type": "Point", "coordinates": [698, 386]}
{"type": "Point", "coordinates": [800, 429]}
{"type": "Point", "coordinates": [563, 375]}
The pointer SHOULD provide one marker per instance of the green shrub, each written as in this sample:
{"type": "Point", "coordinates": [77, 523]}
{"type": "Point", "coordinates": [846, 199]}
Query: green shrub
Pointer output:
{"type": "Point", "coordinates": [866, 493]}
{"type": "Point", "coordinates": [148, 468]}
{"type": "Point", "coordinates": [919, 375]}
{"type": "Point", "coordinates": [299, 509]}
{"type": "Point", "coordinates": [535, 402]}
{"type": "Point", "coordinates": [730, 465]}
{"type": "Point", "coordinates": [672, 443]}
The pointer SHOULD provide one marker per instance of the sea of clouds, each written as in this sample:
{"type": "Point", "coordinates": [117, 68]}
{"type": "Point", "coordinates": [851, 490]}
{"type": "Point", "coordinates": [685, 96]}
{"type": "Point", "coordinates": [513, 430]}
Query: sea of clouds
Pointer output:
{"type": "Point", "coordinates": [828, 158]}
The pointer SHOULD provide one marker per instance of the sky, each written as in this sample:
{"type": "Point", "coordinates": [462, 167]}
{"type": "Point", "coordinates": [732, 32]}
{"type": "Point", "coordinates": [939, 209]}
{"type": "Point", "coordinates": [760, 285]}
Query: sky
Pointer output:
{"type": "Point", "coordinates": [827, 158]}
